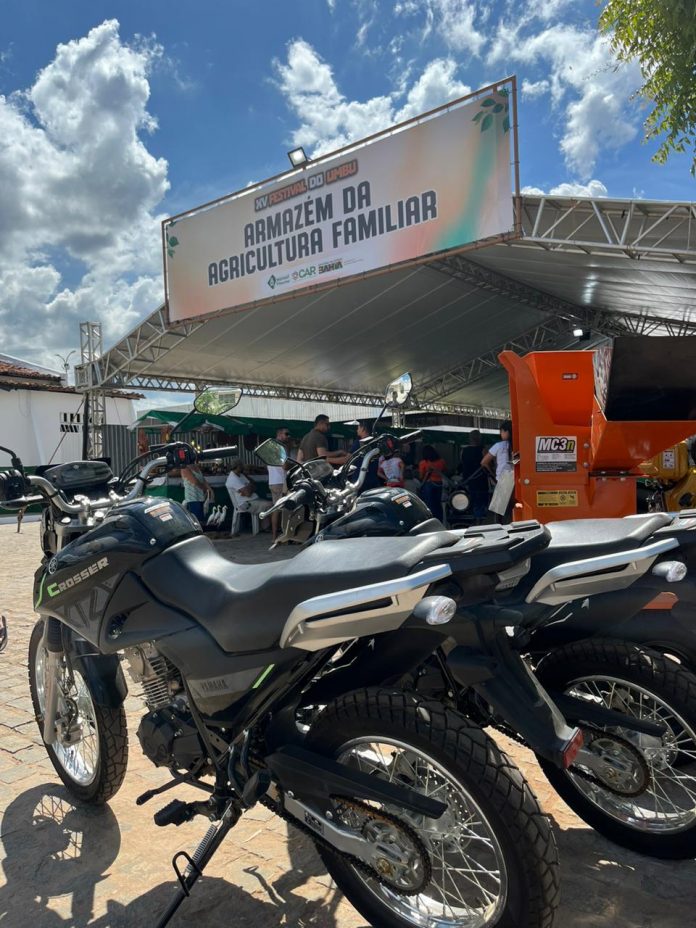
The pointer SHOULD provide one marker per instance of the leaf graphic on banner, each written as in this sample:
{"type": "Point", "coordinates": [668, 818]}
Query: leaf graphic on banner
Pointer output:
{"type": "Point", "coordinates": [506, 124]}
{"type": "Point", "coordinates": [478, 116]}
{"type": "Point", "coordinates": [170, 252]}
{"type": "Point", "coordinates": [486, 123]}
{"type": "Point", "coordinates": [172, 240]}
{"type": "Point", "coordinates": [489, 101]}
{"type": "Point", "coordinates": [498, 108]}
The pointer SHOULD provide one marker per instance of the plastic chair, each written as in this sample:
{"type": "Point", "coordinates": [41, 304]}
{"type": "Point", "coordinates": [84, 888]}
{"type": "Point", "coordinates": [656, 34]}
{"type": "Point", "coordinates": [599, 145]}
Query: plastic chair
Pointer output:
{"type": "Point", "coordinates": [237, 517]}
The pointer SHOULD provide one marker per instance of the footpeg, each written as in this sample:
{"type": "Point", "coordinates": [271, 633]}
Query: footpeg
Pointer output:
{"type": "Point", "coordinates": [176, 813]}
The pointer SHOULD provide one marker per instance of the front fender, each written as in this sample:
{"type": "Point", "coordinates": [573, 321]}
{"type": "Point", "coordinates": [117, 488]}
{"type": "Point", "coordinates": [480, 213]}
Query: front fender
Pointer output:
{"type": "Point", "coordinates": [102, 672]}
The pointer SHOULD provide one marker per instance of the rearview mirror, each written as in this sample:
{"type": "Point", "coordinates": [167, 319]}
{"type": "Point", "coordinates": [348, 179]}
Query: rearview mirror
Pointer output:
{"type": "Point", "coordinates": [272, 452]}
{"type": "Point", "coordinates": [398, 391]}
{"type": "Point", "coordinates": [216, 401]}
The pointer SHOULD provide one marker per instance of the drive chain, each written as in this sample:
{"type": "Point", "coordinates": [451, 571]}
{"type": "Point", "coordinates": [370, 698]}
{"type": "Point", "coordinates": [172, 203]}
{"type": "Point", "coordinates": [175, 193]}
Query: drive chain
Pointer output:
{"type": "Point", "coordinates": [361, 865]}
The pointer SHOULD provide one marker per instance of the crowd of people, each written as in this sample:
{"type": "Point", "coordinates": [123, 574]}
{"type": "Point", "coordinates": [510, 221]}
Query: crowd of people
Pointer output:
{"type": "Point", "coordinates": [424, 474]}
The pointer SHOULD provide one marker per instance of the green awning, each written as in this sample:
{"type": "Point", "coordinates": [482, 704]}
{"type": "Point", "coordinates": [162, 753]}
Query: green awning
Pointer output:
{"type": "Point", "coordinates": [267, 428]}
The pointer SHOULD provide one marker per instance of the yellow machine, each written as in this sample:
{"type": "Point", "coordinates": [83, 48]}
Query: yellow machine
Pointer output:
{"type": "Point", "coordinates": [672, 479]}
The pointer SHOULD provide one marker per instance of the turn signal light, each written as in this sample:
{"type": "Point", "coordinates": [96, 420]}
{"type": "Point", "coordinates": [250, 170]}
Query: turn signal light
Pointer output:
{"type": "Point", "coordinates": [671, 571]}
{"type": "Point", "coordinates": [436, 610]}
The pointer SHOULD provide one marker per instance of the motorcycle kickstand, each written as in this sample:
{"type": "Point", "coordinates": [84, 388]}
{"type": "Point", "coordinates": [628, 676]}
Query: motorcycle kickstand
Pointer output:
{"type": "Point", "coordinates": [212, 840]}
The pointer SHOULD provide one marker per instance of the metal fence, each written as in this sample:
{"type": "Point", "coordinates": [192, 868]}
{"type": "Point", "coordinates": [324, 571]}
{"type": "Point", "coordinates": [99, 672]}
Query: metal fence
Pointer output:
{"type": "Point", "coordinates": [121, 445]}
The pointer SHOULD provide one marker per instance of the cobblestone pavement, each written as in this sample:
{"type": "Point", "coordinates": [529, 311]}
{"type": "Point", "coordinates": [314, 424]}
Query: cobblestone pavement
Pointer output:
{"type": "Point", "coordinates": [69, 867]}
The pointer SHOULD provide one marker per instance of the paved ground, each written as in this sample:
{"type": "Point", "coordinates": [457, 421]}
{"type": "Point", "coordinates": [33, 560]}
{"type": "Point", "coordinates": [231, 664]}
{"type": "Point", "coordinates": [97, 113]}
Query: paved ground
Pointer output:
{"type": "Point", "coordinates": [67, 867]}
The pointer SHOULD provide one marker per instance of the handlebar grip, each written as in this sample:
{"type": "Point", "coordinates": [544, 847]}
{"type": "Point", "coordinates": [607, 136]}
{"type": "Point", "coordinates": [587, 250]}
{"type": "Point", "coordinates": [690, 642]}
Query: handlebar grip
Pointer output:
{"type": "Point", "coordinates": [210, 453]}
{"type": "Point", "coordinates": [297, 499]}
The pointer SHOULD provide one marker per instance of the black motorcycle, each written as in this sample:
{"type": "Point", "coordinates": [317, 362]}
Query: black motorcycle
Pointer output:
{"type": "Point", "coordinates": [635, 778]}
{"type": "Point", "coordinates": [415, 812]}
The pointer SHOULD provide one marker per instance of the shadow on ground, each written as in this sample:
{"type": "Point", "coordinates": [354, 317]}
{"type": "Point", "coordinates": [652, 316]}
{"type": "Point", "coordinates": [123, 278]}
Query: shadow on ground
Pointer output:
{"type": "Point", "coordinates": [54, 848]}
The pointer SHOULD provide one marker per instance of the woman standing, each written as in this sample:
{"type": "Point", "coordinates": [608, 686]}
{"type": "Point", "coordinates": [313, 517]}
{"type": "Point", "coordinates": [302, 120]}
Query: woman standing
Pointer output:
{"type": "Point", "coordinates": [430, 471]}
{"type": "Point", "coordinates": [196, 489]}
{"type": "Point", "coordinates": [498, 461]}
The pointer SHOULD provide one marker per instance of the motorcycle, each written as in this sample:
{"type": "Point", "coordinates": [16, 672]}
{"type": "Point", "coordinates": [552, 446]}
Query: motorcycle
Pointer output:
{"type": "Point", "coordinates": [416, 814]}
{"type": "Point", "coordinates": [633, 784]}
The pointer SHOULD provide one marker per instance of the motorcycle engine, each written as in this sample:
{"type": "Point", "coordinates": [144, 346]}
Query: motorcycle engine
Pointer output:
{"type": "Point", "coordinates": [167, 734]}
{"type": "Point", "coordinates": [170, 739]}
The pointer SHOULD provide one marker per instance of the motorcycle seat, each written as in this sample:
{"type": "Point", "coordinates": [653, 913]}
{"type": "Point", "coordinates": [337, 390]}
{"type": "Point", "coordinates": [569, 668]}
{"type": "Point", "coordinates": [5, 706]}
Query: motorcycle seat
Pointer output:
{"type": "Point", "coordinates": [580, 539]}
{"type": "Point", "coordinates": [245, 606]}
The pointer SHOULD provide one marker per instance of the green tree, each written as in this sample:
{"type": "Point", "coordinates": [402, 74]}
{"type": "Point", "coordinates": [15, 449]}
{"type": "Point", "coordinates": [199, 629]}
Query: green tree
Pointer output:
{"type": "Point", "coordinates": [661, 36]}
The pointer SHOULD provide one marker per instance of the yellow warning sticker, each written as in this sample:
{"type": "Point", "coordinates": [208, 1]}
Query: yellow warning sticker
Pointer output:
{"type": "Point", "coordinates": [549, 498]}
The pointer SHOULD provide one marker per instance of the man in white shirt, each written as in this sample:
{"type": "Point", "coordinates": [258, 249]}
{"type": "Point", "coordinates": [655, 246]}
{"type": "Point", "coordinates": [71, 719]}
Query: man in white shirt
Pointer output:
{"type": "Point", "coordinates": [242, 493]}
{"type": "Point", "coordinates": [276, 481]}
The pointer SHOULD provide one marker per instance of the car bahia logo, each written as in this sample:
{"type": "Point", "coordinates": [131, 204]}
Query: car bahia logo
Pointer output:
{"type": "Point", "coordinates": [271, 281]}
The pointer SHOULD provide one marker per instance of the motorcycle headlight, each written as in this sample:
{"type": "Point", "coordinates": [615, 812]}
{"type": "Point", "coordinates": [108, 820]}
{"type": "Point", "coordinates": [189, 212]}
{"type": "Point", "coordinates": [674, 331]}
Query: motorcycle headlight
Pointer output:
{"type": "Point", "coordinates": [671, 571]}
{"type": "Point", "coordinates": [436, 610]}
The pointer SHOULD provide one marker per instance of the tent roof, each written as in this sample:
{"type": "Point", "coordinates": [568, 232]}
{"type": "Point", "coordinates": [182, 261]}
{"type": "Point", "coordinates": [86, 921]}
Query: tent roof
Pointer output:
{"type": "Point", "coordinates": [609, 266]}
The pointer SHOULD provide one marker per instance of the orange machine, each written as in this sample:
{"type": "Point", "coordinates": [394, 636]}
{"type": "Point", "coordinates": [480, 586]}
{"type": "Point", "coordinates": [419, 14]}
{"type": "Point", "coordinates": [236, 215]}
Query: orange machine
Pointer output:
{"type": "Point", "coordinates": [584, 422]}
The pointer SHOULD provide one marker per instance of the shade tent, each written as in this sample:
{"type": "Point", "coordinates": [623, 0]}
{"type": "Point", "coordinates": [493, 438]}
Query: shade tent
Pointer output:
{"type": "Point", "coordinates": [266, 428]}
{"type": "Point", "coordinates": [609, 266]}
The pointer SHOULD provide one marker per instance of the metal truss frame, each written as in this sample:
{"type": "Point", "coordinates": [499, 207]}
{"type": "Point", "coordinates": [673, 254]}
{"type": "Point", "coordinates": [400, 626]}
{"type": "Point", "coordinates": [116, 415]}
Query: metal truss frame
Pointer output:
{"type": "Point", "coordinates": [91, 348]}
{"type": "Point", "coordinates": [652, 229]}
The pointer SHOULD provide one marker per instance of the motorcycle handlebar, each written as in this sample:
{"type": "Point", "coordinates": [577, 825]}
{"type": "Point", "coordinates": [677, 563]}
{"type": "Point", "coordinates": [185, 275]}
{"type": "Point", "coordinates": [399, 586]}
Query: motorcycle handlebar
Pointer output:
{"type": "Point", "coordinates": [211, 453]}
{"type": "Point", "coordinates": [291, 501]}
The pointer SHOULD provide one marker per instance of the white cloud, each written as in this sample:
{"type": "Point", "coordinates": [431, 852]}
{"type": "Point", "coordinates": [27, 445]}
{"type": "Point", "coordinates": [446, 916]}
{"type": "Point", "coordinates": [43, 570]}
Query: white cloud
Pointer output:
{"type": "Point", "coordinates": [78, 190]}
{"type": "Point", "coordinates": [595, 188]}
{"type": "Point", "coordinates": [330, 121]}
{"type": "Point", "coordinates": [533, 89]}
{"type": "Point", "coordinates": [583, 79]}
{"type": "Point", "coordinates": [455, 21]}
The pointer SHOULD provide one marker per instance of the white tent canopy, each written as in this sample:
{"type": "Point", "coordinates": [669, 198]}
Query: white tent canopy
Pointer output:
{"type": "Point", "coordinates": [608, 266]}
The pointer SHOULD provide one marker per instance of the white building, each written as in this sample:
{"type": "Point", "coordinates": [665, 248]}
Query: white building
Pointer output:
{"type": "Point", "coordinates": [41, 417]}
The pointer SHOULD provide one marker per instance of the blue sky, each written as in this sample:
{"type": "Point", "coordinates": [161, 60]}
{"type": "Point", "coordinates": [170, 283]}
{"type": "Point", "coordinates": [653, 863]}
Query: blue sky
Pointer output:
{"type": "Point", "coordinates": [114, 115]}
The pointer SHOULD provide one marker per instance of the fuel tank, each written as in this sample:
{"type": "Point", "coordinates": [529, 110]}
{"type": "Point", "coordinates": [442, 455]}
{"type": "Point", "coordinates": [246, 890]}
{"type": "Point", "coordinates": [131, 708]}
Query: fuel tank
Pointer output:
{"type": "Point", "coordinates": [77, 583]}
{"type": "Point", "coordinates": [384, 511]}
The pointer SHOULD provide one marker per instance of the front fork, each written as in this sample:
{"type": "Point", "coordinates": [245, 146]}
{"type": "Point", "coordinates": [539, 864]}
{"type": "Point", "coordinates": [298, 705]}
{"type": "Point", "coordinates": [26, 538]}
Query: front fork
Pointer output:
{"type": "Point", "coordinates": [52, 643]}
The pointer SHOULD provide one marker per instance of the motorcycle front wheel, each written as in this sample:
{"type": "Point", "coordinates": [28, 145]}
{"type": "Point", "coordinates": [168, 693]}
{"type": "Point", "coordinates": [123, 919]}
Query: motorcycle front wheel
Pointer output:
{"type": "Point", "coordinates": [660, 821]}
{"type": "Point", "coordinates": [492, 855]}
{"type": "Point", "coordinates": [91, 758]}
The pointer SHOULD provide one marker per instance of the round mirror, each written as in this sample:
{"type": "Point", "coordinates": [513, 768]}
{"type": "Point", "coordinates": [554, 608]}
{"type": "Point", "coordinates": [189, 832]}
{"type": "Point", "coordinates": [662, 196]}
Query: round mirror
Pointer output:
{"type": "Point", "coordinates": [216, 401]}
{"type": "Point", "coordinates": [459, 501]}
{"type": "Point", "coordinates": [272, 452]}
{"type": "Point", "coordinates": [398, 391]}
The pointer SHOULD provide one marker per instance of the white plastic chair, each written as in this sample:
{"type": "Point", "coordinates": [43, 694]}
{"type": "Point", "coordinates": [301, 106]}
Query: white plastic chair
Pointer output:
{"type": "Point", "coordinates": [236, 519]}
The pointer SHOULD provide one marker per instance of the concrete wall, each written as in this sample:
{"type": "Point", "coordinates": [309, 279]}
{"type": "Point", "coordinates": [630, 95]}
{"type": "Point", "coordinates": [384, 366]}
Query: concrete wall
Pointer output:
{"type": "Point", "coordinates": [31, 420]}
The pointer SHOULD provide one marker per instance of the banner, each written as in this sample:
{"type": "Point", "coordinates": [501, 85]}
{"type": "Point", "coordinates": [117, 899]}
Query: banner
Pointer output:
{"type": "Point", "coordinates": [429, 188]}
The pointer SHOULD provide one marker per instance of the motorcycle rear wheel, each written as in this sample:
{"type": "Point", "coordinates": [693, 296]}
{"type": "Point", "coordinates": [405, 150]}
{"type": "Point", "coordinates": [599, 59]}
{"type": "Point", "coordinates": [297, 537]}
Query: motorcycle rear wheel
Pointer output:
{"type": "Point", "coordinates": [661, 822]}
{"type": "Point", "coordinates": [493, 854]}
{"type": "Point", "coordinates": [92, 767]}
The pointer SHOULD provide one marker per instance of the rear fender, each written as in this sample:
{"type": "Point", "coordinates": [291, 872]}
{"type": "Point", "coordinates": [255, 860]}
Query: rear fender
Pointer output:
{"type": "Point", "coordinates": [102, 672]}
